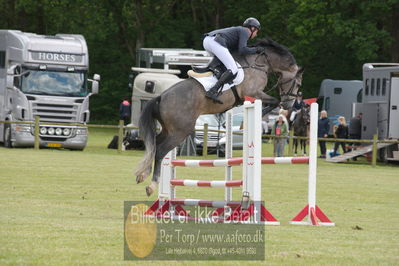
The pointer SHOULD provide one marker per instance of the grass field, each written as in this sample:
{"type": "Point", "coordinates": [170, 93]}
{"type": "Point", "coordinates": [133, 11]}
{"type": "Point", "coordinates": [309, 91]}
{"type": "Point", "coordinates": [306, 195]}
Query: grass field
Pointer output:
{"type": "Point", "coordinates": [66, 207]}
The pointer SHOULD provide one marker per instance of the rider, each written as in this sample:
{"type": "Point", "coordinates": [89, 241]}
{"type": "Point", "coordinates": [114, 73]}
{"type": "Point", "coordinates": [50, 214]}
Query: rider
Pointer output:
{"type": "Point", "coordinates": [222, 42]}
{"type": "Point", "coordinates": [298, 104]}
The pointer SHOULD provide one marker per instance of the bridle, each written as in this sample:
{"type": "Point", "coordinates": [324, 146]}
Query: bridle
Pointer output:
{"type": "Point", "coordinates": [279, 83]}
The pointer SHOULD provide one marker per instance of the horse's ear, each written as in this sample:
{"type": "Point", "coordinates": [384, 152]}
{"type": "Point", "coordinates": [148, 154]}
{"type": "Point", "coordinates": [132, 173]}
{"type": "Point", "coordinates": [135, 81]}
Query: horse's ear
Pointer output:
{"type": "Point", "coordinates": [300, 71]}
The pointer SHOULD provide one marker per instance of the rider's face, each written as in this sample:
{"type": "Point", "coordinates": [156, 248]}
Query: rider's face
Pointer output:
{"type": "Point", "coordinates": [255, 32]}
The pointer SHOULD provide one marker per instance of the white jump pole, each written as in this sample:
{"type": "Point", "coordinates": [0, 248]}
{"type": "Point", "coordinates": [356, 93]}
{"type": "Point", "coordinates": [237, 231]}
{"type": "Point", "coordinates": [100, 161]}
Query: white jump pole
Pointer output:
{"type": "Point", "coordinates": [311, 210]}
{"type": "Point", "coordinates": [252, 149]}
{"type": "Point", "coordinates": [252, 141]}
{"type": "Point", "coordinates": [228, 195]}
{"type": "Point", "coordinates": [312, 155]}
{"type": "Point", "coordinates": [166, 191]}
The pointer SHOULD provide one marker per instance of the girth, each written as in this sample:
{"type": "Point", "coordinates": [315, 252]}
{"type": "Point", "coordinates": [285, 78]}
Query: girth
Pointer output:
{"type": "Point", "coordinates": [238, 100]}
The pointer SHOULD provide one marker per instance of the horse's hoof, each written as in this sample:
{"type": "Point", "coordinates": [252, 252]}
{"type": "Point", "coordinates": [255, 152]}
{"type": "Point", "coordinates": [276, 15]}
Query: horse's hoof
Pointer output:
{"type": "Point", "coordinates": [140, 178]}
{"type": "Point", "coordinates": [149, 191]}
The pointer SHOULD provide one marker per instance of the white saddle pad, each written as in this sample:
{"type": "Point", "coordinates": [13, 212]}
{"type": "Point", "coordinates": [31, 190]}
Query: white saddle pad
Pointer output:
{"type": "Point", "coordinates": [208, 82]}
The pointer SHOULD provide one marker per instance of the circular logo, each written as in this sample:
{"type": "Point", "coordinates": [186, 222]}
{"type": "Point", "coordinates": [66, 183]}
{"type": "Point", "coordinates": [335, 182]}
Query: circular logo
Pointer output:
{"type": "Point", "coordinates": [140, 231]}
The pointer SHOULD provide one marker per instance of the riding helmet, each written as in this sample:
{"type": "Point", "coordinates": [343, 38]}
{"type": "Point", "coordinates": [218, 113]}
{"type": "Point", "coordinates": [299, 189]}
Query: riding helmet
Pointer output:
{"type": "Point", "coordinates": [251, 22]}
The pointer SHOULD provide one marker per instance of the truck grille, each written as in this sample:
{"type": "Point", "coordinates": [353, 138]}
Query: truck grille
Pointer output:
{"type": "Point", "coordinates": [52, 112]}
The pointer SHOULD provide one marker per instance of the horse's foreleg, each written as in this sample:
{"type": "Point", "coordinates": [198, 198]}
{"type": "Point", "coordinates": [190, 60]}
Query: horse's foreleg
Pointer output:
{"type": "Point", "coordinates": [270, 102]}
{"type": "Point", "coordinates": [304, 147]}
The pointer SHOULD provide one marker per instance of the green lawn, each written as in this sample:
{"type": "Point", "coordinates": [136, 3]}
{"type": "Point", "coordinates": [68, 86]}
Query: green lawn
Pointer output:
{"type": "Point", "coordinates": [66, 207]}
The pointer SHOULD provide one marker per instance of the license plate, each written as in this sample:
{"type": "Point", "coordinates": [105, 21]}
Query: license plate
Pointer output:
{"type": "Point", "coordinates": [212, 144]}
{"type": "Point", "coordinates": [54, 145]}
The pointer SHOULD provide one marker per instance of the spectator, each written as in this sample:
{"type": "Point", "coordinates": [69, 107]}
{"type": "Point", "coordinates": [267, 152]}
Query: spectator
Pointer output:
{"type": "Point", "coordinates": [280, 130]}
{"type": "Point", "coordinates": [341, 133]}
{"type": "Point", "coordinates": [125, 111]}
{"type": "Point", "coordinates": [355, 129]}
{"type": "Point", "coordinates": [322, 132]}
{"type": "Point", "coordinates": [285, 114]}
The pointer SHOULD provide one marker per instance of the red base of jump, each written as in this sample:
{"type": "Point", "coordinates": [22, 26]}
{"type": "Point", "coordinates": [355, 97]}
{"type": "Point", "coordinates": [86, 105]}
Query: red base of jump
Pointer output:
{"type": "Point", "coordinates": [237, 215]}
{"type": "Point", "coordinates": [315, 214]}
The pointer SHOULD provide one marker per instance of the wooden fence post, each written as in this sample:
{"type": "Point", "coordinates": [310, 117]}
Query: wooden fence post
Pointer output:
{"type": "Point", "coordinates": [374, 154]}
{"type": "Point", "coordinates": [205, 143]}
{"type": "Point", "coordinates": [36, 132]}
{"type": "Point", "coordinates": [291, 143]}
{"type": "Point", "coordinates": [120, 135]}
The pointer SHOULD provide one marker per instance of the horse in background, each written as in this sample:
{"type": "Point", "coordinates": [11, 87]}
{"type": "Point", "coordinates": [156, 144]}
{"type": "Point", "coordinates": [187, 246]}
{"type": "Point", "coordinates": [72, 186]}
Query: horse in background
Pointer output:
{"type": "Point", "coordinates": [300, 125]}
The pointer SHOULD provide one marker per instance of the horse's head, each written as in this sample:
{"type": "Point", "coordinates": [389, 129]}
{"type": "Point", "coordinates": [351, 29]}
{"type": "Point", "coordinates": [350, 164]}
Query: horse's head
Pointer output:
{"type": "Point", "coordinates": [305, 114]}
{"type": "Point", "coordinates": [289, 84]}
{"type": "Point", "coordinates": [278, 59]}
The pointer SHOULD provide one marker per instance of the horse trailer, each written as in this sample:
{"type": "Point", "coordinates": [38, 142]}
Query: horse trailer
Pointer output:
{"type": "Point", "coordinates": [44, 76]}
{"type": "Point", "coordinates": [158, 69]}
{"type": "Point", "coordinates": [337, 96]}
{"type": "Point", "coordinates": [380, 104]}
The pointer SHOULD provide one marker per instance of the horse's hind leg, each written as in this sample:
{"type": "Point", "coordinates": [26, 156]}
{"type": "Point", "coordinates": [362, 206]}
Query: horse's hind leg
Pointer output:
{"type": "Point", "coordinates": [159, 139]}
{"type": "Point", "coordinates": [169, 143]}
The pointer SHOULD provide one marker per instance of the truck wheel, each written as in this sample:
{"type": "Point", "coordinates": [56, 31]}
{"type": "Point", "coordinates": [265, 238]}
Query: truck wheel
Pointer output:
{"type": "Point", "coordinates": [7, 136]}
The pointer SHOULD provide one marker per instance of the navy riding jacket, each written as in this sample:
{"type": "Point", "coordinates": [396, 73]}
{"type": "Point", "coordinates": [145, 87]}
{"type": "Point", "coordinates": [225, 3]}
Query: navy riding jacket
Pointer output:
{"type": "Point", "coordinates": [234, 39]}
{"type": "Point", "coordinates": [323, 127]}
{"type": "Point", "coordinates": [298, 105]}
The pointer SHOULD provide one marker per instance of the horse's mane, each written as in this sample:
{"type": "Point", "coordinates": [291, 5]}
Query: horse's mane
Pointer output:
{"type": "Point", "coordinates": [277, 48]}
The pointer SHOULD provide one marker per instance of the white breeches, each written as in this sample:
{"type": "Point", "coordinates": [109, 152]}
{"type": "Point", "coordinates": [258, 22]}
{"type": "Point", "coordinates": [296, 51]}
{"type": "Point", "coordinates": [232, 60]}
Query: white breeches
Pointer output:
{"type": "Point", "coordinates": [220, 52]}
{"type": "Point", "coordinates": [292, 117]}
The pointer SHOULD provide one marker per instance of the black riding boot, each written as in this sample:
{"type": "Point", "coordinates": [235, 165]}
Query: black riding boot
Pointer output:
{"type": "Point", "coordinates": [213, 94]}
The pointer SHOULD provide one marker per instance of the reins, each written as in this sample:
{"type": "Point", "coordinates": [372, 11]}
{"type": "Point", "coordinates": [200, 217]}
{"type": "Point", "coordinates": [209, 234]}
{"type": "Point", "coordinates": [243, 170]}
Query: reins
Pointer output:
{"type": "Point", "coordinates": [278, 83]}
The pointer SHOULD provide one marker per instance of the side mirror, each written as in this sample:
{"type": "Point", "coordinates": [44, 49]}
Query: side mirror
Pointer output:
{"type": "Point", "coordinates": [13, 79]}
{"type": "Point", "coordinates": [95, 83]}
{"type": "Point", "coordinates": [94, 87]}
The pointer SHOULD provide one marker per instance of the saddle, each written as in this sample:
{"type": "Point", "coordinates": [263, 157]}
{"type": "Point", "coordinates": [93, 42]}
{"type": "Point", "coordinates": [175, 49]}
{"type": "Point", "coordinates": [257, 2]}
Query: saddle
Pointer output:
{"type": "Point", "coordinates": [209, 75]}
{"type": "Point", "coordinates": [215, 67]}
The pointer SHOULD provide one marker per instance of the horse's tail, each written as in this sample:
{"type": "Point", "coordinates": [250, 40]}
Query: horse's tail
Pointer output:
{"type": "Point", "coordinates": [147, 125]}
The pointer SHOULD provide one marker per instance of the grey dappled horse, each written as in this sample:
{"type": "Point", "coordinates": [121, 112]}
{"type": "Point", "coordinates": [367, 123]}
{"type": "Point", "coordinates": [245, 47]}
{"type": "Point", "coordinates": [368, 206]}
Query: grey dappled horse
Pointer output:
{"type": "Point", "coordinates": [300, 127]}
{"type": "Point", "coordinates": [178, 108]}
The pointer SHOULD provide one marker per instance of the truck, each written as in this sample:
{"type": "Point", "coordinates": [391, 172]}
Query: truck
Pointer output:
{"type": "Point", "coordinates": [44, 76]}
{"type": "Point", "coordinates": [380, 105]}
{"type": "Point", "coordinates": [337, 97]}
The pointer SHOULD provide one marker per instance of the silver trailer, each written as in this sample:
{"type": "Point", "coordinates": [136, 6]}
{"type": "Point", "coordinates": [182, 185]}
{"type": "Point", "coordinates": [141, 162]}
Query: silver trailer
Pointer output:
{"type": "Point", "coordinates": [149, 82]}
{"type": "Point", "coordinates": [337, 96]}
{"type": "Point", "coordinates": [380, 106]}
{"type": "Point", "coordinates": [44, 76]}
{"type": "Point", "coordinates": [162, 68]}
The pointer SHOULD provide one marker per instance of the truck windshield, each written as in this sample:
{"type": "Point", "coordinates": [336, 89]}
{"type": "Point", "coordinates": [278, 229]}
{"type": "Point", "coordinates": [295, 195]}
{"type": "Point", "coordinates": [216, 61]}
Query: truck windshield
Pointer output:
{"type": "Point", "coordinates": [54, 83]}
